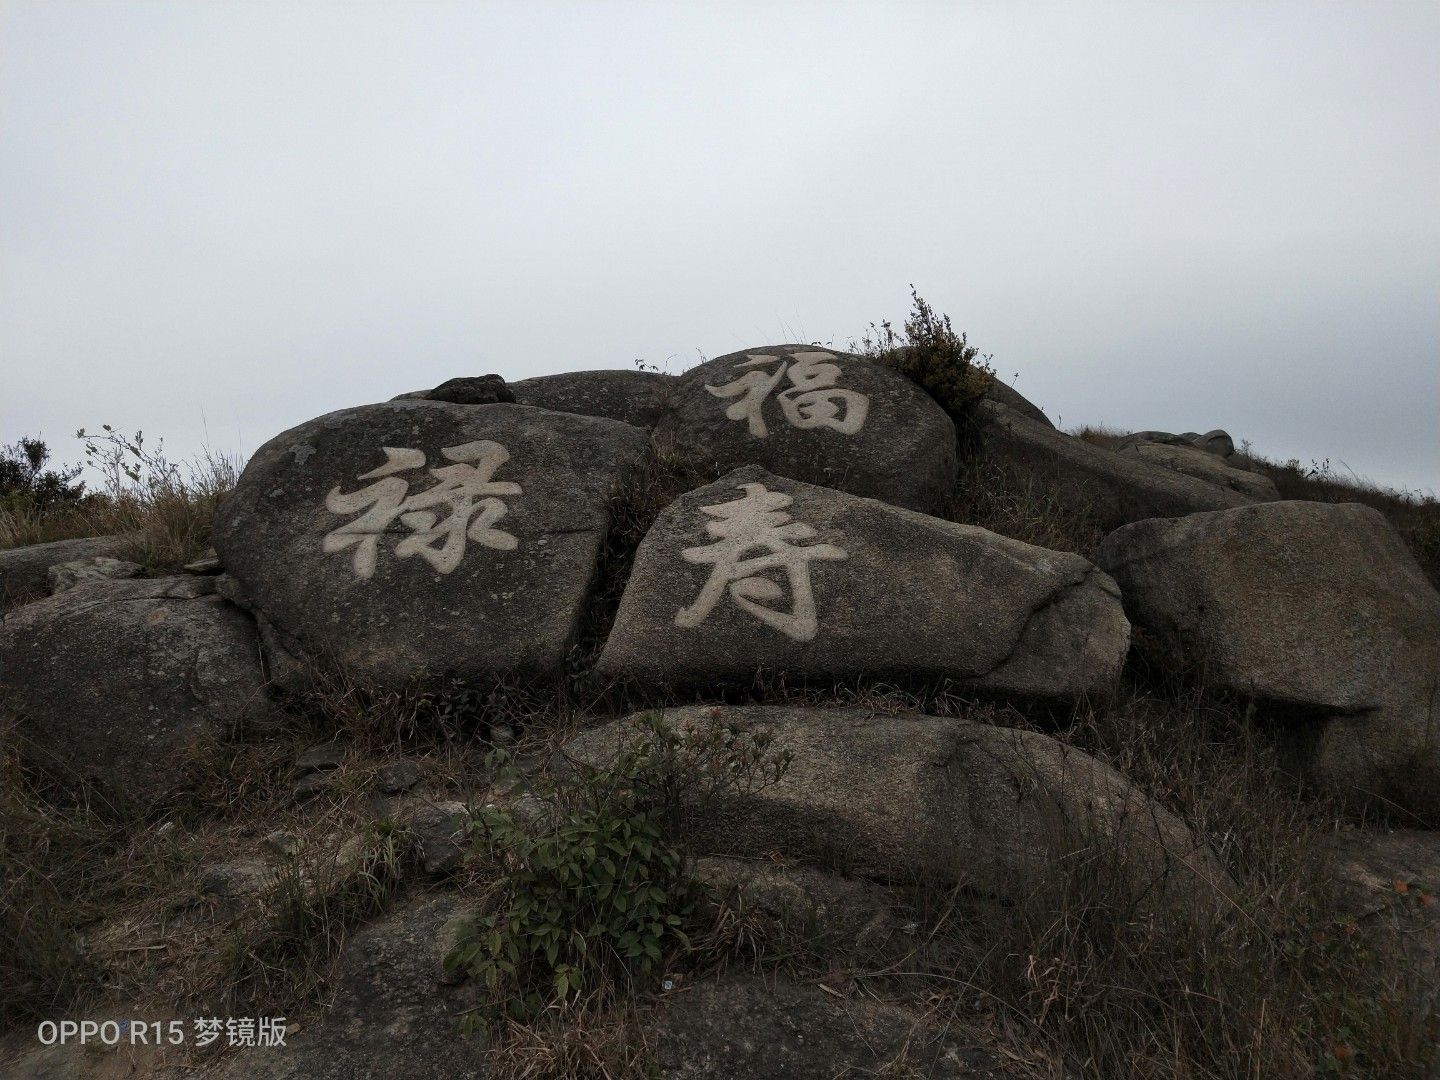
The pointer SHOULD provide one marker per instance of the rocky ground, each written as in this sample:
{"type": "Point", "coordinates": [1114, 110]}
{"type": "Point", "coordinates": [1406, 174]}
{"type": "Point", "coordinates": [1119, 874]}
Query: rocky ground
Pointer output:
{"type": "Point", "coordinates": [754, 722]}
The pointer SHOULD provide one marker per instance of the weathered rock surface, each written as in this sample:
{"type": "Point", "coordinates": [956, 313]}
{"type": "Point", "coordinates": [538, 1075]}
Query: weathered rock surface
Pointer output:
{"type": "Point", "coordinates": [745, 1026]}
{"type": "Point", "coordinates": [440, 832]}
{"type": "Point", "coordinates": [24, 571]}
{"type": "Point", "coordinates": [1217, 443]}
{"type": "Point", "coordinates": [1004, 394]}
{"type": "Point", "coordinates": [632, 397]}
{"type": "Point", "coordinates": [816, 415]}
{"type": "Point", "coordinates": [908, 797]}
{"type": "Point", "coordinates": [1390, 885]}
{"type": "Point", "coordinates": [120, 680]}
{"type": "Point", "coordinates": [67, 575]}
{"type": "Point", "coordinates": [393, 1017]}
{"type": "Point", "coordinates": [1211, 468]}
{"type": "Point", "coordinates": [758, 571]}
{"type": "Point", "coordinates": [1315, 607]}
{"type": "Point", "coordinates": [1113, 488]}
{"type": "Point", "coordinates": [420, 536]}
{"type": "Point", "coordinates": [466, 390]}
{"type": "Point", "coordinates": [858, 916]}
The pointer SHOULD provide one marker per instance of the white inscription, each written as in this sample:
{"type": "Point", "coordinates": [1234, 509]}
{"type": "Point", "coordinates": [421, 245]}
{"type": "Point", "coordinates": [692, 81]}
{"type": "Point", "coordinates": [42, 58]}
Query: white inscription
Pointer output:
{"type": "Point", "coordinates": [465, 492]}
{"type": "Point", "coordinates": [754, 535]}
{"type": "Point", "coordinates": [811, 400]}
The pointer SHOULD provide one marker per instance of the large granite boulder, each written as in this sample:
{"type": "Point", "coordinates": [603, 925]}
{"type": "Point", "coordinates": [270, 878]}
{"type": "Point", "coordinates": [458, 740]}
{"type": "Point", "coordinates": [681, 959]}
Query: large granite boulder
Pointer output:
{"type": "Point", "coordinates": [1212, 468]}
{"type": "Point", "coordinates": [759, 572]}
{"type": "Point", "coordinates": [420, 536]}
{"type": "Point", "coordinates": [634, 397]}
{"type": "Point", "coordinates": [24, 571]}
{"type": "Point", "coordinates": [394, 1016]}
{"type": "Point", "coordinates": [748, 1026]}
{"type": "Point", "coordinates": [1112, 488]}
{"type": "Point", "coordinates": [816, 415]}
{"type": "Point", "coordinates": [122, 682]}
{"type": "Point", "coordinates": [1315, 609]}
{"type": "Point", "coordinates": [904, 798]}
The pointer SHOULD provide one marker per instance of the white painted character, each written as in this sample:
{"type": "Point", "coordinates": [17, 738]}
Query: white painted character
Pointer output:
{"type": "Point", "coordinates": [754, 535]}
{"type": "Point", "coordinates": [812, 400]}
{"type": "Point", "coordinates": [465, 490]}
{"type": "Point", "coordinates": [752, 388]}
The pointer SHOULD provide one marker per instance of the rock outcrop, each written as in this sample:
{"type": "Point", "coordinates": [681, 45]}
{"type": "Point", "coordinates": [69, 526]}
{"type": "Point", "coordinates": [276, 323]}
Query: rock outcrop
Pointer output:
{"type": "Point", "coordinates": [466, 390]}
{"type": "Point", "coordinates": [67, 575]}
{"type": "Point", "coordinates": [423, 537]}
{"type": "Point", "coordinates": [1211, 468]}
{"type": "Point", "coordinates": [1004, 394]}
{"type": "Point", "coordinates": [920, 798]}
{"type": "Point", "coordinates": [1217, 443]}
{"type": "Point", "coordinates": [1114, 488]}
{"type": "Point", "coordinates": [122, 682]}
{"type": "Point", "coordinates": [24, 571]}
{"type": "Point", "coordinates": [757, 572]}
{"type": "Point", "coordinates": [633, 397]}
{"type": "Point", "coordinates": [815, 415]}
{"type": "Point", "coordinates": [1317, 609]}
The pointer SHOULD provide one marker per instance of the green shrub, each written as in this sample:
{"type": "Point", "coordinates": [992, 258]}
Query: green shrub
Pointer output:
{"type": "Point", "coordinates": [933, 355]}
{"type": "Point", "coordinates": [25, 480]}
{"type": "Point", "coordinates": [598, 896]}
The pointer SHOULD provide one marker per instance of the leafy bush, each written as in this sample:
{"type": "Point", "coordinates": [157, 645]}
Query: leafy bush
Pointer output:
{"type": "Point", "coordinates": [598, 895]}
{"type": "Point", "coordinates": [932, 354]}
{"type": "Point", "coordinates": [25, 480]}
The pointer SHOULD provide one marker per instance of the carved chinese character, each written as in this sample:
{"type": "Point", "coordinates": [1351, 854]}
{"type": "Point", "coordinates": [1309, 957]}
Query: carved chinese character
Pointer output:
{"type": "Point", "coordinates": [811, 400]}
{"type": "Point", "coordinates": [754, 536]}
{"type": "Point", "coordinates": [464, 494]}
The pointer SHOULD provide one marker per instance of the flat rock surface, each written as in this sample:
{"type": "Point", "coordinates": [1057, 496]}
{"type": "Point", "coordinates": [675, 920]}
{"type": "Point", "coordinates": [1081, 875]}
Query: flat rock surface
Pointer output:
{"type": "Point", "coordinates": [633, 397]}
{"type": "Point", "coordinates": [758, 571]}
{"type": "Point", "coordinates": [419, 536]}
{"type": "Point", "coordinates": [817, 415]}
{"type": "Point", "coordinates": [1318, 608]}
{"type": "Point", "coordinates": [119, 680]}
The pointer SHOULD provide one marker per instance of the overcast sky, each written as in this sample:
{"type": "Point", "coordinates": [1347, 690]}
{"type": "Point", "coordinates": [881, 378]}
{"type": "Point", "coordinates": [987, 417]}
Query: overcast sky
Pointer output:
{"type": "Point", "coordinates": [220, 219]}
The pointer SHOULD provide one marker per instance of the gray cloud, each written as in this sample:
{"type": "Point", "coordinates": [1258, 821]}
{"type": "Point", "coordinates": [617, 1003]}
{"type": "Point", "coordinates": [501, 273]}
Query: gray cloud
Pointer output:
{"type": "Point", "coordinates": [219, 220]}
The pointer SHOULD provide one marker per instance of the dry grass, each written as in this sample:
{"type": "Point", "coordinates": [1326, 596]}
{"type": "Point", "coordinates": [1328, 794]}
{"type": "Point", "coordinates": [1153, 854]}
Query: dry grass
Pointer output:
{"type": "Point", "coordinates": [165, 508]}
{"type": "Point", "coordinates": [1010, 502]}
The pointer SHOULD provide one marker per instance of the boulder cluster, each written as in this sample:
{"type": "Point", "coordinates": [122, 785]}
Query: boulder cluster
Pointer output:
{"type": "Point", "coordinates": [461, 532]}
